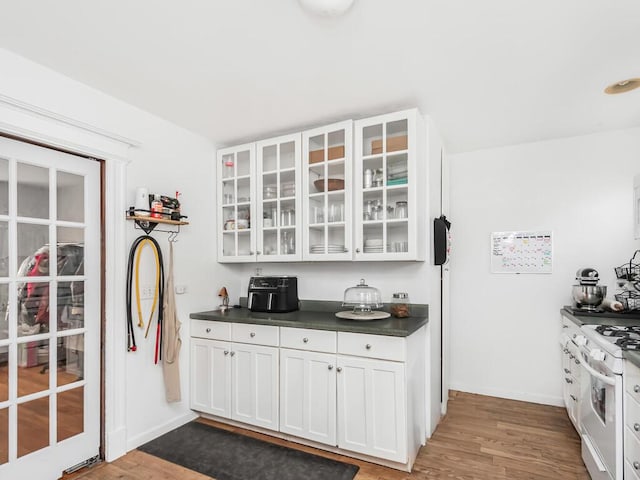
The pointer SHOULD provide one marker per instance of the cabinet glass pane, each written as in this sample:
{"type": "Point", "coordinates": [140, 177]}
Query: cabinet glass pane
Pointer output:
{"type": "Point", "coordinates": [270, 242]}
{"type": "Point", "coordinates": [287, 155]}
{"type": "Point", "coordinates": [244, 243]}
{"type": "Point", "coordinates": [335, 208]}
{"type": "Point", "coordinates": [244, 190]}
{"type": "Point", "coordinates": [228, 192]}
{"type": "Point", "coordinates": [317, 240]}
{"type": "Point", "coordinates": [70, 197]}
{"type": "Point", "coordinates": [335, 240]}
{"type": "Point", "coordinates": [33, 191]}
{"type": "Point", "coordinates": [269, 158]}
{"type": "Point", "coordinates": [317, 209]}
{"type": "Point", "coordinates": [372, 140]}
{"type": "Point", "coordinates": [228, 166]}
{"type": "Point", "coordinates": [287, 241]}
{"type": "Point", "coordinates": [397, 237]}
{"type": "Point", "coordinates": [396, 135]}
{"type": "Point", "coordinates": [228, 244]}
{"type": "Point", "coordinates": [287, 184]}
{"type": "Point", "coordinates": [336, 141]}
{"type": "Point", "coordinates": [373, 173]}
{"type": "Point", "coordinates": [396, 171]}
{"type": "Point", "coordinates": [270, 217]}
{"type": "Point", "coordinates": [373, 238]}
{"type": "Point", "coordinates": [4, 186]}
{"type": "Point", "coordinates": [243, 166]}
{"type": "Point", "coordinates": [229, 218]}
{"type": "Point", "coordinates": [397, 205]}
{"type": "Point", "coordinates": [316, 149]}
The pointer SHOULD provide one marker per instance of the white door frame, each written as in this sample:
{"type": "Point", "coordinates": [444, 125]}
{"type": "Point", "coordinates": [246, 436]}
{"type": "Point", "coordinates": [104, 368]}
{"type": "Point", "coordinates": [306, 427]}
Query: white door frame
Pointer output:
{"type": "Point", "coordinates": [30, 122]}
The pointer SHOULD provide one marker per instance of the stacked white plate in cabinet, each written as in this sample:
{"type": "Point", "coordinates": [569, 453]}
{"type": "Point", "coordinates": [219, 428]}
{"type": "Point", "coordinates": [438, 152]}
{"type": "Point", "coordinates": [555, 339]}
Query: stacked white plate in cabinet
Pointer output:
{"type": "Point", "coordinates": [373, 245]}
{"type": "Point", "coordinates": [331, 248]}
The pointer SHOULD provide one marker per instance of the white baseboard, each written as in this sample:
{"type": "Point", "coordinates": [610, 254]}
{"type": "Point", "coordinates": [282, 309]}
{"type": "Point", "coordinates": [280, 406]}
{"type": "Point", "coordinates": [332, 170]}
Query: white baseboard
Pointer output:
{"type": "Point", "coordinates": [522, 396]}
{"type": "Point", "coordinates": [149, 435]}
{"type": "Point", "coordinates": [115, 444]}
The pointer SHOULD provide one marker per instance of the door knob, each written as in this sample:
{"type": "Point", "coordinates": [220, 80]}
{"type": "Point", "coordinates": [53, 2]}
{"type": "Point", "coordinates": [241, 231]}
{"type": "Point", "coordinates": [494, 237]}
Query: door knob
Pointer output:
{"type": "Point", "coordinates": [233, 353]}
{"type": "Point", "coordinates": [368, 346]}
{"type": "Point", "coordinates": [330, 367]}
{"type": "Point", "coordinates": [636, 388]}
{"type": "Point", "coordinates": [252, 334]}
{"type": "Point", "coordinates": [305, 340]}
{"type": "Point", "coordinates": [226, 352]}
{"type": "Point", "coordinates": [208, 330]}
{"type": "Point", "coordinates": [339, 369]}
{"type": "Point", "coordinates": [636, 427]}
{"type": "Point", "coordinates": [357, 250]}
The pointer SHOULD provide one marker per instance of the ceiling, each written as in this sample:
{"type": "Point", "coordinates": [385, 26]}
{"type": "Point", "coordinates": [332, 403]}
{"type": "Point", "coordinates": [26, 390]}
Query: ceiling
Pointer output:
{"type": "Point", "coordinates": [490, 73]}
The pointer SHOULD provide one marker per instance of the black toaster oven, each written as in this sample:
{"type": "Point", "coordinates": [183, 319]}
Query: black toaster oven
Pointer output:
{"type": "Point", "coordinates": [275, 294]}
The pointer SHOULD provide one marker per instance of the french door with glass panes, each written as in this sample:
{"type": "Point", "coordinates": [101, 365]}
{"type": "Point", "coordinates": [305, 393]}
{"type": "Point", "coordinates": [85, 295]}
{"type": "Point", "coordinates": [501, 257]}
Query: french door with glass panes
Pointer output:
{"type": "Point", "coordinates": [49, 310]}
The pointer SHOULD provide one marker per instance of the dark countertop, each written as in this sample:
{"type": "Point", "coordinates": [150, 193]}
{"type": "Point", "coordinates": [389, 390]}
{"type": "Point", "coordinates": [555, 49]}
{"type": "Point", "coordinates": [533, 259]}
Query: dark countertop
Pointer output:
{"type": "Point", "coordinates": [318, 315]}
{"type": "Point", "coordinates": [611, 319]}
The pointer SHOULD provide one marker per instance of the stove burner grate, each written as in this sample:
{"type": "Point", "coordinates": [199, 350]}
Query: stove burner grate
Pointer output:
{"type": "Point", "coordinates": [627, 338]}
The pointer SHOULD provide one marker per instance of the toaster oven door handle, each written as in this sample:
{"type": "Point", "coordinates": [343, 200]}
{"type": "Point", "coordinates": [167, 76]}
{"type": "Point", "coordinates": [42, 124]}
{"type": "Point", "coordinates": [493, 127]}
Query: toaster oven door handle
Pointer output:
{"type": "Point", "coordinates": [250, 302]}
{"type": "Point", "coordinates": [270, 302]}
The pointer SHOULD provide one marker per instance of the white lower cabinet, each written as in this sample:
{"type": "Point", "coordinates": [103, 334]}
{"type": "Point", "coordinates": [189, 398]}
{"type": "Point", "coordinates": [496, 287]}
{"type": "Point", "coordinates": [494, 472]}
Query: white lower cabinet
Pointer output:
{"type": "Point", "coordinates": [631, 422]}
{"type": "Point", "coordinates": [372, 407]}
{"type": "Point", "coordinates": [308, 395]}
{"type": "Point", "coordinates": [235, 380]}
{"type": "Point", "coordinates": [360, 392]}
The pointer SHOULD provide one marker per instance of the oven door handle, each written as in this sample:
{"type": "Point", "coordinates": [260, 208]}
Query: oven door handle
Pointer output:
{"type": "Point", "coordinates": [590, 370]}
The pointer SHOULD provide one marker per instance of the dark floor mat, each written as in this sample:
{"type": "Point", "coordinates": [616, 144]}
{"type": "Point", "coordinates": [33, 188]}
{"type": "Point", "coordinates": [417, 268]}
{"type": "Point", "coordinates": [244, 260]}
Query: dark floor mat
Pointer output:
{"type": "Point", "coordinates": [226, 455]}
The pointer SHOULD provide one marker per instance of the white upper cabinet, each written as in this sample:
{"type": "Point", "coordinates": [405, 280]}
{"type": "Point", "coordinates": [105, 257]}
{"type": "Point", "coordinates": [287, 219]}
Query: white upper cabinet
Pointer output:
{"type": "Point", "coordinates": [278, 213]}
{"type": "Point", "coordinates": [340, 192]}
{"type": "Point", "coordinates": [390, 187]}
{"type": "Point", "coordinates": [327, 192]}
{"type": "Point", "coordinates": [236, 206]}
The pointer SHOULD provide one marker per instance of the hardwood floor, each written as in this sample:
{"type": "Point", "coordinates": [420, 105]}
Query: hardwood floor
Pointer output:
{"type": "Point", "coordinates": [482, 438]}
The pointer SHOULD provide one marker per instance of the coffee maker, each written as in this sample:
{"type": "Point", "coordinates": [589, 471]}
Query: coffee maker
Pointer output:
{"type": "Point", "coordinates": [274, 294]}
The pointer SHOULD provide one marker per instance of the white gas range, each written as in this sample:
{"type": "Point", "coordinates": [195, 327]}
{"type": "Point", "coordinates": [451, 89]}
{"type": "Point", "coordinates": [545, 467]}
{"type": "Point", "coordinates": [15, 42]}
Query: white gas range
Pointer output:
{"type": "Point", "coordinates": [598, 350]}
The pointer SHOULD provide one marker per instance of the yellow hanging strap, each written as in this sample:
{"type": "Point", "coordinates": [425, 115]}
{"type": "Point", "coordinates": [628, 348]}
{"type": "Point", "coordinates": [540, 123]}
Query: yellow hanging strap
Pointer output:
{"type": "Point", "coordinates": [156, 291]}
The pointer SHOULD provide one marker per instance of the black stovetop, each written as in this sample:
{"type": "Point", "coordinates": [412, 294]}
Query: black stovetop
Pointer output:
{"type": "Point", "coordinates": [630, 315]}
{"type": "Point", "coordinates": [627, 338]}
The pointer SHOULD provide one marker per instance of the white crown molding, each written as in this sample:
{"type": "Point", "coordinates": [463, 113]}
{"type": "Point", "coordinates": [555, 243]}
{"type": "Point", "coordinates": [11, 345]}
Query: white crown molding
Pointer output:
{"type": "Point", "coordinates": [48, 114]}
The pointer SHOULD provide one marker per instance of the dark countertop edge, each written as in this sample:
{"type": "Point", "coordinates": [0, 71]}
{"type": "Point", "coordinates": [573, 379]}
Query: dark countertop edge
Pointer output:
{"type": "Point", "coordinates": [331, 323]}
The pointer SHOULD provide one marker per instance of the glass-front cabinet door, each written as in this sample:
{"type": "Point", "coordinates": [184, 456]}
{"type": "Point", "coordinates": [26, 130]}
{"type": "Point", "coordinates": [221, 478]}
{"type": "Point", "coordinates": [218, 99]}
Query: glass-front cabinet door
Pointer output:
{"type": "Point", "coordinates": [278, 213]}
{"type": "Point", "coordinates": [236, 219]}
{"type": "Point", "coordinates": [391, 201]}
{"type": "Point", "coordinates": [327, 192]}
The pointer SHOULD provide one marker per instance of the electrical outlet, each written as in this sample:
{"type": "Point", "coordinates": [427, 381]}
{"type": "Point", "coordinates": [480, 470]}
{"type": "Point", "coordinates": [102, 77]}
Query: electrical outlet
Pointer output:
{"type": "Point", "coordinates": [146, 292]}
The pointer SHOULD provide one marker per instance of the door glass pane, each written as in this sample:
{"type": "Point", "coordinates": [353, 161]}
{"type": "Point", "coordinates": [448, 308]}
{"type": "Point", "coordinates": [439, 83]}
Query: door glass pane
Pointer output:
{"type": "Point", "coordinates": [4, 373]}
{"type": "Point", "coordinates": [4, 324]}
{"type": "Point", "coordinates": [70, 359]}
{"type": "Point", "coordinates": [4, 249]}
{"type": "Point", "coordinates": [70, 251]}
{"type": "Point", "coordinates": [70, 200]}
{"type": "Point", "coordinates": [33, 308]}
{"type": "Point", "coordinates": [33, 191]}
{"type": "Point", "coordinates": [4, 186]}
{"type": "Point", "coordinates": [4, 435]}
{"type": "Point", "coordinates": [70, 413]}
{"type": "Point", "coordinates": [70, 305]}
{"type": "Point", "coordinates": [33, 426]}
{"type": "Point", "coordinates": [33, 366]}
{"type": "Point", "coordinates": [33, 253]}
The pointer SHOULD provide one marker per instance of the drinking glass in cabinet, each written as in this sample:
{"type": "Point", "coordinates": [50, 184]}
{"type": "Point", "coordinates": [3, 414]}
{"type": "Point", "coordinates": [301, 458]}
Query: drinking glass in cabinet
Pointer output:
{"type": "Point", "coordinates": [227, 198]}
{"type": "Point", "coordinates": [288, 246]}
{"type": "Point", "coordinates": [335, 212]}
{"type": "Point", "coordinates": [287, 218]}
{"type": "Point", "coordinates": [401, 210]}
{"type": "Point", "coordinates": [317, 214]}
{"type": "Point", "coordinates": [270, 191]}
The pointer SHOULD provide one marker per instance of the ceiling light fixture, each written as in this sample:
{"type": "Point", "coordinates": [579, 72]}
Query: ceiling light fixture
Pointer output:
{"type": "Point", "coordinates": [623, 86]}
{"type": "Point", "coordinates": [326, 8]}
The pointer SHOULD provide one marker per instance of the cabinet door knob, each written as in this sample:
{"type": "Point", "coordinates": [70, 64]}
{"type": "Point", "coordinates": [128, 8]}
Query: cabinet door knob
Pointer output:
{"type": "Point", "coordinates": [226, 352]}
{"type": "Point", "coordinates": [566, 350]}
{"type": "Point", "coordinates": [330, 367]}
{"type": "Point", "coordinates": [636, 388]}
{"type": "Point", "coordinates": [566, 370]}
{"type": "Point", "coordinates": [565, 326]}
{"type": "Point", "coordinates": [233, 353]}
{"type": "Point", "coordinates": [577, 361]}
{"type": "Point", "coordinates": [208, 330]}
{"type": "Point", "coordinates": [368, 346]}
{"type": "Point", "coordinates": [251, 253]}
{"type": "Point", "coordinates": [636, 427]}
{"type": "Point", "coordinates": [346, 250]}
{"type": "Point", "coordinates": [571, 356]}
{"type": "Point", "coordinates": [573, 398]}
{"type": "Point", "coordinates": [305, 340]}
{"type": "Point", "coordinates": [339, 369]}
{"type": "Point", "coordinates": [357, 250]}
{"type": "Point", "coordinates": [636, 465]}
{"type": "Point", "coordinates": [568, 380]}
{"type": "Point", "coordinates": [252, 334]}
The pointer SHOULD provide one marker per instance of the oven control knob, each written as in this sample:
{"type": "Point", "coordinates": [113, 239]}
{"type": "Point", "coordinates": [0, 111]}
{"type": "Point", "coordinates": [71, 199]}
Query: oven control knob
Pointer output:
{"type": "Point", "coordinates": [598, 355]}
{"type": "Point", "coordinates": [580, 340]}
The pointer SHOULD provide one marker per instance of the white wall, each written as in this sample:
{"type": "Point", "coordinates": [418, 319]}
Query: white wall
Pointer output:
{"type": "Point", "coordinates": [168, 159]}
{"type": "Point", "coordinates": [504, 328]}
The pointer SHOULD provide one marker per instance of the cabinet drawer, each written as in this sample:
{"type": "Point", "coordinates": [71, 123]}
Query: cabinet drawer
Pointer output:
{"type": "Point", "coordinates": [372, 346]}
{"type": "Point", "coordinates": [631, 380]}
{"type": "Point", "coordinates": [256, 334]}
{"type": "Point", "coordinates": [632, 450]}
{"type": "Point", "coordinates": [307, 339]}
{"type": "Point", "coordinates": [630, 471]}
{"type": "Point", "coordinates": [211, 329]}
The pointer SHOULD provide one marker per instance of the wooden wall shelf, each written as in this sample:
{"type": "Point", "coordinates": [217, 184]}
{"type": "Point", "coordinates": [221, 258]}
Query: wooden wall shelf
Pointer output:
{"type": "Point", "coordinates": [148, 224]}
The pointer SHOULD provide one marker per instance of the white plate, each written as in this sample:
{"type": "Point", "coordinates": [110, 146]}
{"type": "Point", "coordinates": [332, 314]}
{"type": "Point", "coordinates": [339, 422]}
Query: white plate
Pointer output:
{"type": "Point", "coordinates": [374, 315]}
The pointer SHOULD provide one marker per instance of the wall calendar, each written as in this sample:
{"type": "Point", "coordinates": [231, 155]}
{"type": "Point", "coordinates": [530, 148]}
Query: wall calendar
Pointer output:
{"type": "Point", "coordinates": [521, 252]}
